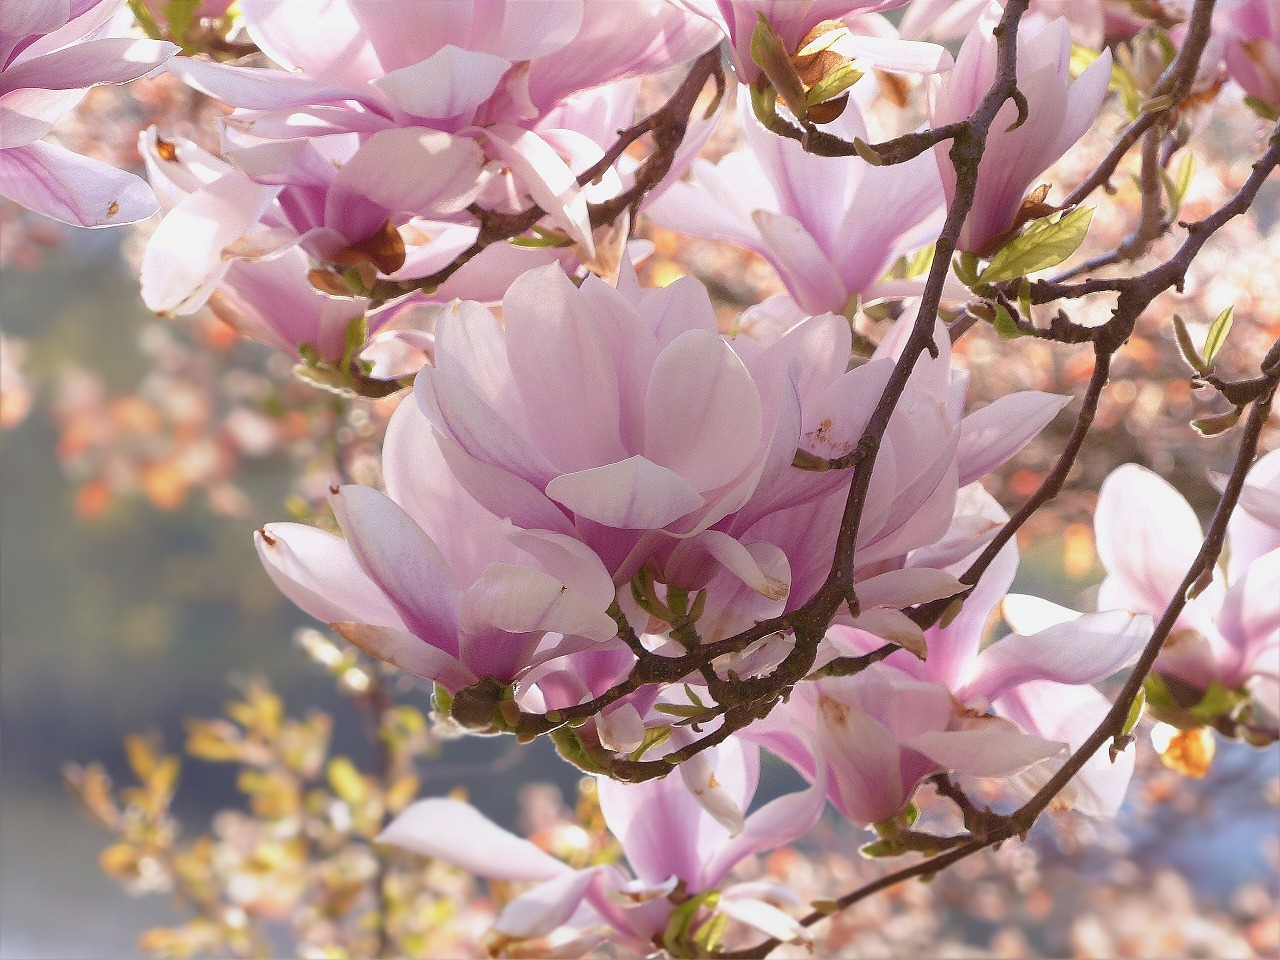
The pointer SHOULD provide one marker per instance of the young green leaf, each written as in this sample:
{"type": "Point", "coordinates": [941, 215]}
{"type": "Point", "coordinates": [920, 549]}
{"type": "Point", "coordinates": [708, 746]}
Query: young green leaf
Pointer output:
{"type": "Point", "coordinates": [1005, 327]}
{"type": "Point", "coordinates": [1218, 424]}
{"type": "Point", "coordinates": [1217, 335]}
{"type": "Point", "coordinates": [1044, 243]}
{"type": "Point", "coordinates": [1176, 187]}
{"type": "Point", "coordinates": [770, 54]}
{"type": "Point", "coordinates": [1136, 709]}
{"type": "Point", "coordinates": [1187, 347]}
{"type": "Point", "coordinates": [833, 84]}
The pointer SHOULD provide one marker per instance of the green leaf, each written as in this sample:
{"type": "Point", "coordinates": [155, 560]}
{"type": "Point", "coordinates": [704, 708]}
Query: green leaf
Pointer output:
{"type": "Point", "coordinates": [680, 709]}
{"type": "Point", "coordinates": [1187, 347]}
{"type": "Point", "coordinates": [180, 14]}
{"type": "Point", "coordinates": [1262, 108]}
{"type": "Point", "coordinates": [1176, 187]}
{"type": "Point", "coordinates": [833, 84]}
{"type": "Point", "coordinates": [966, 269]}
{"type": "Point", "coordinates": [1217, 424]}
{"type": "Point", "coordinates": [1217, 702]}
{"type": "Point", "coordinates": [709, 936]}
{"type": "Point", "coordinates": [1024, 298]}
{"type": "Point", "coordinates": [1042, 244]}
{"type": "Point", "coordinates": [653, 737]}
{"type": "Point", "coordinates": [1157, 693]}
{"type": "Point", "coordinates": [145, 20]}
{"type": "Point", "coordinates": [918, 264]}
{"type": "Point", "coordinates": [879, 849]}
{"type": "Point", "coordinates": [678, 927]}
{"type": "Point", "coordinates": [1005, 327]}
{"type": "Point", "coordinates": [542, 237]}
{"type": "Point", "coordinates": [1081, 58]}
{"type": "Point", "coordinates": [764, 103]}
{"type": "Point", "coordinates": [1123, 83]}
{"type": "Point", "coordinates": [354, 339]}
{"type": "Point", "coordinates": [1217, 335]}
{"type": "Point", "coordinates": [770, 54]}
{"type": "Point", "coordinates": [1136, 709]}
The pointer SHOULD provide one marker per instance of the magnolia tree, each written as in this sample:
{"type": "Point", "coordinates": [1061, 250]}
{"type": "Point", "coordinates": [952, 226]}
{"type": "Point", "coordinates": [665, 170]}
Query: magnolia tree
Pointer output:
{"type": "Point", "coordinates": [671, 543]}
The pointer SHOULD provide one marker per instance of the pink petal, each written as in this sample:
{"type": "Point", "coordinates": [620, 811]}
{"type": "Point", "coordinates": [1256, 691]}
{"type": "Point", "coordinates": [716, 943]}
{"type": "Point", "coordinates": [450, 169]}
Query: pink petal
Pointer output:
{"type": "Point", "coordinates": [995, 749]}
{"type": "Point", "coordinates": [27, 115]}
{"type": "Point", "coordinates": [1147, 537]}
{"type": "Point", "coordinates": [703, 416]}
{"type": "Point", "coordinates": [1084, 650]}
{"type": "Point", "coordinates": [547, 906]}
{"type": "Point", "coordinates": [110, 60]}
{"type": "Point", "coordinates": [411, 653]}
{"type": "Point", "coordinates": [548, 179]}
{"type": "Point", "coordinates": [776, 824]}
{"type": "Point", "coordinates": [317, 571]}
{"type": "Point", "coordinates": [520, 600]}
{"type": "Point", "coordinates": [399, 557]}
{"type": "Point", "coordinates": [903, 588]}
{"type": "Point", "coordinates": [459, 834]}
{"type": "Point", "coordinates": [184, 260]}
{"type": "Point", "coordinates": [449, 83]}
{"type": "Point", "coordinates": [561, 362]}
{"type": "Point", "coordinates": [633, 494]}
{"type": "Point", "coordinates": [570, 561]}
{"type": "Point", "coordinates": [403, 169]}
{"type": "Point", "coordinates": [73, 189]}
{"type": "Point", "coordinates": [804, 267]}
{"type": "Point", "coordinates": [989, 437]}
{"type": "Point", "coordinates": [1070, 714]}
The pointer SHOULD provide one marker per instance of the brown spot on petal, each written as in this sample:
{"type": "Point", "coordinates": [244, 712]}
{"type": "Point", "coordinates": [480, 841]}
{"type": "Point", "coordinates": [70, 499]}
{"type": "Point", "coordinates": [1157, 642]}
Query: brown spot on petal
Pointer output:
{"type": "Point", "coordinates": [113, 208]}
{"type": "Point", "coordinates": [166, 150]}
{"type": "Point", "coordinates": [267, 538]}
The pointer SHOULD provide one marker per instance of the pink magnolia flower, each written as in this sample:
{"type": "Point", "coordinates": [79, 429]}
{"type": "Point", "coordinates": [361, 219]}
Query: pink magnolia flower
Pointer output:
{"type": "Point", "coordinates": [1090, 20]}
{"type": "Point", "coordinates": [621, 417]}
{"type": "Point", "coordinates": [668, 839]}
{"type": "Point", "coordinates": [489, 73]}
{"type": "Point", "coordinates": [1229, 634]}
{"type": "Point", "coordinates": [1059, 111]}
{"type": "Point", "coordinates": [51, 52]}
{"type": "Point", "coordinates": [831, 227]}
{"type": "Point", "coordinates": [1251, 29]}
{"type": "Point", "coordinates": [430, 581]}
{"type": "Point", "coordinates": [872, 40]}
{"type": "Point", "coordinates": [1005, 711]}
{"type": "Point", "coordinates": [216, 246]}
{"type": "Point", "coordinates": [930, 453]}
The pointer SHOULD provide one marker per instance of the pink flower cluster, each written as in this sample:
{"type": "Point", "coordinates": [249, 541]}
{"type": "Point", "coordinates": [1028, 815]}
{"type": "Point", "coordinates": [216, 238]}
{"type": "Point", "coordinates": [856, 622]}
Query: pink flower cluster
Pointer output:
{"type": "Point", "coordinates": [597, 475]}
{"type": "Point", "coordinates": [51, 52]}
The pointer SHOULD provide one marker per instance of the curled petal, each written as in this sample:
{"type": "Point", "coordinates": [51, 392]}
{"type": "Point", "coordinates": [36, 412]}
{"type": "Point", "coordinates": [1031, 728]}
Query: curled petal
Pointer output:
{"type": "Point", "coordinates": [459, 834]}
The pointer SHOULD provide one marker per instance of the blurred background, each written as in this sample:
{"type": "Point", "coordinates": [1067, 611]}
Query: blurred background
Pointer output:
{"type": "Point", "coordinates": [139, 453]}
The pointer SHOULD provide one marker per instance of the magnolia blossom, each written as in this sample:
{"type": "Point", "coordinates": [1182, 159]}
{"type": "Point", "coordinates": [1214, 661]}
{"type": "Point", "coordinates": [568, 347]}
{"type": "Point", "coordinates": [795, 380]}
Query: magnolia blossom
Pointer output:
{"type": "Point", "coordinates": [1251, 30]}
{"type": "Point", "coordinates": [472, 78]}
{"type": "Point", "coordinates": [831, 227]}
{"type": "Point", "coordinates": [1002, 711]}
{"type": "Point", "coordinates": [930, 451]}
{"type": "Point", "coordinates": [51, 52]}
{"type": "Point", "coordinates": [1229, 634]}
{"type": "Point", "coordinates": [871, 40]}
{"type": "Point", "coordinates": [1059, 111]}
{"type": "Point", "coordinates": [430, 581]}
{"type": "Point", "coordinates": [1090, 20]}
{"type": "Point", "coordinates": [621, 417]}
{"type": "Point", "coordinates": [668, 838]}
{"type": "Point", "coordinates": [268, 298]}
